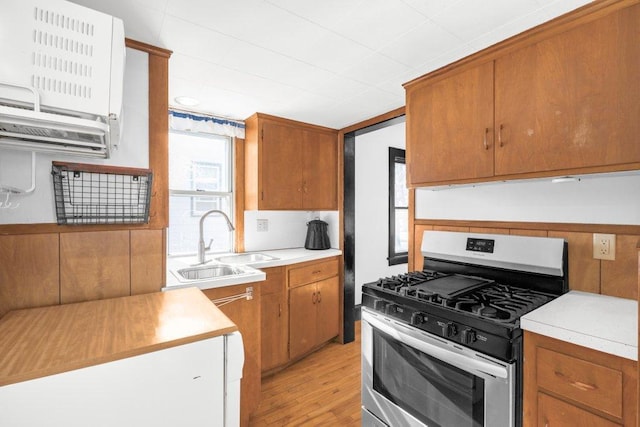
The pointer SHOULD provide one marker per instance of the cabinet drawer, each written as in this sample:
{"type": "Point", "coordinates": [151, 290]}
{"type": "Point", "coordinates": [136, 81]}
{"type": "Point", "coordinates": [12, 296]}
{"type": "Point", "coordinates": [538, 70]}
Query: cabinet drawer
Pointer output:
{"type": "Point", "coordinates": [554, 412]}
{"type": "Point", "coordinates": [313, 272]}
{"type": "Point", "coordinates": [588, 383]}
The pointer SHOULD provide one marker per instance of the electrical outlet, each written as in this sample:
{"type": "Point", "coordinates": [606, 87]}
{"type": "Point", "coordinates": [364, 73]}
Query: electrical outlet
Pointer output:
{"type": "Point", "coordinates": [263, 225]}
{"type": "Point", "coordinates": [604, 246]}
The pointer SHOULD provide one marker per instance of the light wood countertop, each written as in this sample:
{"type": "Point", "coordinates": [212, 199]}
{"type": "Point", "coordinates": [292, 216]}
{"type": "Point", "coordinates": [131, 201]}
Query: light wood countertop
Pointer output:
{"type": "Point", "coordinates": [49, 340]}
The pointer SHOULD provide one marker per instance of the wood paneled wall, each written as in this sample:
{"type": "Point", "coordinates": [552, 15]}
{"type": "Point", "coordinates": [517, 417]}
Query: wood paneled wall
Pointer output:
{"type": "Point", "coordinates": [616, 278]}
{"type": "Point", "coordinates": [58, 268]}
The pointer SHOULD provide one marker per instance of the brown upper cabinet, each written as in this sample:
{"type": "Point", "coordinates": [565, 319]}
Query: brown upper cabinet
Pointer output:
{"type": "Point", "coordinates": [565, 103]}
{"type": "Point", "coordinates": [448, 124]}
{"type": "Point", "coordinates": [290, 165]}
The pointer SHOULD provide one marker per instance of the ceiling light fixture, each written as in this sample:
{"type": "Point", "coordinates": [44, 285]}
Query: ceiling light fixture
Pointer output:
{"type": "Point", "coordinates": [565, 179]}
{"type": "Point", "coordinates": [187, 101]}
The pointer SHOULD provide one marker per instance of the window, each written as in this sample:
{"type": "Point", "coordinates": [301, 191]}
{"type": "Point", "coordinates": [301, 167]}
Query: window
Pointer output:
{"type": "Point", "coordinates": [398, 208]}
{"type": "Point", "coordinates": [200, 179]}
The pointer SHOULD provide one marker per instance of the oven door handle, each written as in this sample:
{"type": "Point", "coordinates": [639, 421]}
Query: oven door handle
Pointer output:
{"type": "Point", "coordinates": [461, 361]}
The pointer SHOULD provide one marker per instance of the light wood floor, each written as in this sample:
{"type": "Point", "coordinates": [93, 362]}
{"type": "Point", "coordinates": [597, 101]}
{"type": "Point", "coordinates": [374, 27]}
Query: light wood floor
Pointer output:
{"type": "Point", "coordinates": [323, 389]}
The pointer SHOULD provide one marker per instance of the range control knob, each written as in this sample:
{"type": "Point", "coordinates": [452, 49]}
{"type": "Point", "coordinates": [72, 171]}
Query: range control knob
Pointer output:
{"type": "Point", "coordinates": [380, 305]}
{"type": "Point", "coordinates": [467, 336]}
{"type": "Point", "coordinates": [418, 318]}
{"type": "Point", "coordinates": [449, 329]}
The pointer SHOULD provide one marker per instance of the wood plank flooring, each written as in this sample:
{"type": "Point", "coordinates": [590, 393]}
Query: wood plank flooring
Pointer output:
{"type": "Point", "coordinates": [323, 389]}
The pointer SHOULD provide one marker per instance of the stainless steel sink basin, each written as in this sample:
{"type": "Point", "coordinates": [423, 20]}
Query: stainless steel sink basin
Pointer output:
{"type": "Point", "coordinates": [248, 258]}
{"type": "Point", "coordinates": [208, 272]}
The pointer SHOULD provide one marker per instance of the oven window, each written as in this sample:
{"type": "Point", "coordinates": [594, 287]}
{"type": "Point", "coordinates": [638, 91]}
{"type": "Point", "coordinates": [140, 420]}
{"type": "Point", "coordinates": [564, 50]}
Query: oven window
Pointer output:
{"type": "Point", "coordinates": [433, 391]}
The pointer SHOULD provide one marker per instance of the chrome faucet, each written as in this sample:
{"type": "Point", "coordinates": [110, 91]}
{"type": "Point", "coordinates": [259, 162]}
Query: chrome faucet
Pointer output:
{"type": "Point", "coordinates": [201, 247]}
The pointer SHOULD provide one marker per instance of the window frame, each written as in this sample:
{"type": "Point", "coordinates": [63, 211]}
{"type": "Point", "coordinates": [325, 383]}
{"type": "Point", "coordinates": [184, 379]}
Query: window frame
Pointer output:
{"type": "Point", "coordinates": [195, 192]}
{"type": "Point", "coordinates": [396, 156]}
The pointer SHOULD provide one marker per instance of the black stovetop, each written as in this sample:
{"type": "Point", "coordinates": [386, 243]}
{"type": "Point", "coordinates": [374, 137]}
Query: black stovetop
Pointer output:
{"type": "Point", "coordinates": [477, 312]}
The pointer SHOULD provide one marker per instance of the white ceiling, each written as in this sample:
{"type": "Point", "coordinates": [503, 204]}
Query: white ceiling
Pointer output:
{"type": "Point", "coordinates": [328, 62]}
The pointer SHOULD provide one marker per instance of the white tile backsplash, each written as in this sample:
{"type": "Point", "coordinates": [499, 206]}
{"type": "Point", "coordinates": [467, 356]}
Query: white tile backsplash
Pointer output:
{"type": "Point", "coordinates": [286, 229]}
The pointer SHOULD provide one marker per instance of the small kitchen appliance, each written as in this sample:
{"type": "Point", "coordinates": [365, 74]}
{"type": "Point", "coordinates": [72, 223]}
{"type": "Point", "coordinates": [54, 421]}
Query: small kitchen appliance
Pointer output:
{"type": "Point", "coordinates": [443, 346]}
{"type": "Point", "coordinates": [317, 235]}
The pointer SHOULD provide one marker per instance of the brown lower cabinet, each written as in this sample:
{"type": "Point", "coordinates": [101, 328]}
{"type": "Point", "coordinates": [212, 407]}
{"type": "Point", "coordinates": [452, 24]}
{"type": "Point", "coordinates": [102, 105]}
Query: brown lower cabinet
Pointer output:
{"type": "Point", "coordinates": [313, 314]}
{"type": "Point", "coordinates": [300, 310]}
{"type": "Point", "coordinates": [275, 319]}
{"type": "Point", "coordinates": [569, 385]}
{"type": "Point", "coordinates": [246, 315]}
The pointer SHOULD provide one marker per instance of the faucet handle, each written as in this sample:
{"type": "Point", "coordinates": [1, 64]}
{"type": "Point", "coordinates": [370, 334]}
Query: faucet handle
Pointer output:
{"type": "Point", "coordinates": [206, 248]}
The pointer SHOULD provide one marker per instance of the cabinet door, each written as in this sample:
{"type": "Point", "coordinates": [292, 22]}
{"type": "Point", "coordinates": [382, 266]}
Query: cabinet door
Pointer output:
{"type": "Point", "coordinates": [273, 331]}
{"type": "Point", "coordinates": [274, 328]}
{"type": "Point", "coordinates": [328, 323]}
{"type": "Point", "coordinates": [302, 319]}
{"type": "Point", "coordinates": [281, 163]}
{"type": "Point", "coordinates": [449, 127]}
{"type": "Point", "coordinates": [320, 172]}
{"type": "Point", "coordinates": [573, 100]}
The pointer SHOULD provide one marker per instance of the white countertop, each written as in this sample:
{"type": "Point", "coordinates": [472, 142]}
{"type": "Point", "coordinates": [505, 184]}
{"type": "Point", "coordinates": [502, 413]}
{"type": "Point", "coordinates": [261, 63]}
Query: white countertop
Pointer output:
{"type": "Point", "coordinates": [250, 272]}
{"type": "Point", "coordinates": [600, 322]}
{"type": "Point", "coordinates": [294, 256]}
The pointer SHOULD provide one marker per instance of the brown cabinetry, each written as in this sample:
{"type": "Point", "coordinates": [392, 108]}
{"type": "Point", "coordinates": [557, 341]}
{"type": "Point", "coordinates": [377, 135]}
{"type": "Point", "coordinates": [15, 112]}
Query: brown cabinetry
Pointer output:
{"type": "Point", "coordinates": [549, 104]}
{"type": "Point", "coordinates": [290, 165]}
{"type": "Point", "coordinates": [275, 319]}
{"type": "Point", "coordinates": [449, 126]}
{"type": "Point", "coordinates": [571, 101]}
{"type": "Point", "coordinates": [314, 305]}
{"type": "Point", "coordinates": [565, 384]}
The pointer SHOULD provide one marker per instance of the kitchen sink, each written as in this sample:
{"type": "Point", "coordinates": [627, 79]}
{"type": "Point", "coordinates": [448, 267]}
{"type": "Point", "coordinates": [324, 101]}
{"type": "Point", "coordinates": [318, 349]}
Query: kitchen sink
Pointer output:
{"type": "Point", "coordinates": [208, 272]}
{"type": "Point", "coordinates": [245, 258]}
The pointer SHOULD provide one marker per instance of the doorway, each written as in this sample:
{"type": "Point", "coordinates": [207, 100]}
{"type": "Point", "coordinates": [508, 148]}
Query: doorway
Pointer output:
{"type": "Point", "coordinates": [380, 135]}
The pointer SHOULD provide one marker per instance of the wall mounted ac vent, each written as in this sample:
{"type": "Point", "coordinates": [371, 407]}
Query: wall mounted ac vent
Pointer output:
{"type": "Point", "coordinates": [61, 90]}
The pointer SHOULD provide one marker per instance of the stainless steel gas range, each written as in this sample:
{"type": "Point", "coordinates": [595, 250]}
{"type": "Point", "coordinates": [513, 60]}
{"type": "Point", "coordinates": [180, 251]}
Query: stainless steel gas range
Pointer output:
{"type": "Point", "coordinates": [443, 346]}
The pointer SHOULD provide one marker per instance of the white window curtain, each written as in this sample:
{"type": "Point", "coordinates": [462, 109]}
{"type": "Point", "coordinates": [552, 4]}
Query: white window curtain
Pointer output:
{"type": "Point", "coordinates": [189, 122]}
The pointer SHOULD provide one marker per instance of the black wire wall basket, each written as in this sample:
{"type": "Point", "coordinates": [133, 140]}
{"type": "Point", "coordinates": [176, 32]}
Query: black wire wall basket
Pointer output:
{"type": "Point", "coordinates": [96, 194]}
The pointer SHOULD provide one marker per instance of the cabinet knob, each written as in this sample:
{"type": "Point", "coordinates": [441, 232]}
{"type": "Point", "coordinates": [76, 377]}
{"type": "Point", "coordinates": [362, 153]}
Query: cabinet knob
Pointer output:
{"type": "Point", "coordinates": [500, 135]}
{"type": "Point", "coordinates": [319, 296]}
{"type": "Point", "coordinates": [314, 298]}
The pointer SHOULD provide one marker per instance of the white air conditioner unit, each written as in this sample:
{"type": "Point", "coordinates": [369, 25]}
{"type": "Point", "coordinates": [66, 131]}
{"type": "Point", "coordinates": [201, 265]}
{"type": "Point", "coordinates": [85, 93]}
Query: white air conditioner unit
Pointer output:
{"type": "Point", "coordinates": [61, 78]}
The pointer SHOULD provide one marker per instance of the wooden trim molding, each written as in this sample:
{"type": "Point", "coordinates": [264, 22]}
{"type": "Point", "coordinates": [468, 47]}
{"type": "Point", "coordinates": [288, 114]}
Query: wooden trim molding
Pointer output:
{"type": "Point", "coordinates": [144, 47]}
{"type": "Point", "coordinates": [374, 120]}
{"type": "Point", "coordinates": [290, 122]}
{"type": "Point", "coordinates": [546, 226]}
{"type": "Point", "coordinates": [238, 194]}
{"type": "Point", "coordinates": [159, 138]}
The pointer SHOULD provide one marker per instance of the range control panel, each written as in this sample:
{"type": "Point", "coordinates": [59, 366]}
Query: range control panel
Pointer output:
{"type": "Point", "coordinates": [480, 245]}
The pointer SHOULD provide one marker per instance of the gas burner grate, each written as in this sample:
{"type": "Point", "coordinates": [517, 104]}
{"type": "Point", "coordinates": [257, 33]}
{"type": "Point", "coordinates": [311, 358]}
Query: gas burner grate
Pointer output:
{"type": "Point", "coordinates": [500, 302]}
{"type": "Point", "coordinates": [399, 283]}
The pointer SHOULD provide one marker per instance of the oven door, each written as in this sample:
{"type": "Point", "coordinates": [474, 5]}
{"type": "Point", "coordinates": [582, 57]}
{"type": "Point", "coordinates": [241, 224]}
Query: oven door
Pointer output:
{"type": "Point", "coordinates": [413, 378]}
